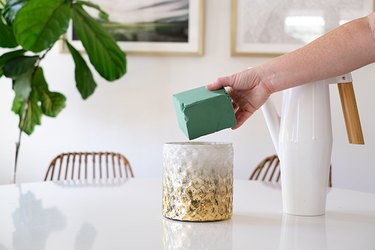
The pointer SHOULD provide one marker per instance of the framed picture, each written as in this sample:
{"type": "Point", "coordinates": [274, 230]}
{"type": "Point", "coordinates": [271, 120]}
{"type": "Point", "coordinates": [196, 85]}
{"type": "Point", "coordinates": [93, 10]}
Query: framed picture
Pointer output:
{"type": "Point", "coordinates": [153, 27]}
{"type": "Point", "coordinates": [271, 28]}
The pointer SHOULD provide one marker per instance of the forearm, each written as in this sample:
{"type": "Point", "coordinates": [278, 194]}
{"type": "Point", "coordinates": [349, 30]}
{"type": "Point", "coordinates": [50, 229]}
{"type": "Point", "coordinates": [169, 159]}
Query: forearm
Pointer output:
{"type": "Point", "coordinates": [340, 51]}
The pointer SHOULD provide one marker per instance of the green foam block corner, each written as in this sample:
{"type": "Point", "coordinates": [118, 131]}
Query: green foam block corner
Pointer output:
{"type": "Point", "coordinates": [201, 112]}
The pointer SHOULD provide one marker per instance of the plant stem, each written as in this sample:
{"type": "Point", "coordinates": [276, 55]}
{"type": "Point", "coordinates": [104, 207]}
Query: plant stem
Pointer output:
{"type": "Point", "coordinates": [23, 119]}
{"type": "Point", "coordinates": [18, 143]}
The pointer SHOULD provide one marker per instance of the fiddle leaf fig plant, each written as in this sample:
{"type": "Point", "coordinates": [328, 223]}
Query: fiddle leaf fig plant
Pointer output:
{"type": "Point", "coordinates": [28, 31]}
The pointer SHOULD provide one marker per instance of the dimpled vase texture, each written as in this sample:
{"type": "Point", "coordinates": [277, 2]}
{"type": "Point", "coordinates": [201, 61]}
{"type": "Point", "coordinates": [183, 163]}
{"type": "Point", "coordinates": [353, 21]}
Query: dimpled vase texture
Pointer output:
{"type": "Point", "coordinates": [198, 181]}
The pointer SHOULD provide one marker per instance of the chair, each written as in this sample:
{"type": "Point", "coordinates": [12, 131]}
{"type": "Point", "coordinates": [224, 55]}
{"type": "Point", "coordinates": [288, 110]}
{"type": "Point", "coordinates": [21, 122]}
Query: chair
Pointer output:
{"type": "Point", "coordinates": [269, 170]}
{"type": "Point", "coordinates": [88, 166]}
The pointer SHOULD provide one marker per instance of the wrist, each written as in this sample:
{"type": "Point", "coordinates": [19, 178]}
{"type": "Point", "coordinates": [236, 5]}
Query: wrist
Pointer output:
{"type": "Point", "coordinates": [371, 22]}
{"type": "Point", "coordinates": [265, 80]}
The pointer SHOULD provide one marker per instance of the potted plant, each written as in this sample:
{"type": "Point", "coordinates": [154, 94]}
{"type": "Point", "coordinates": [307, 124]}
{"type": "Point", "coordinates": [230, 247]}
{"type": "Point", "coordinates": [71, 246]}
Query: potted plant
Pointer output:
{"type": "Point", "coordinates": [29, 29]}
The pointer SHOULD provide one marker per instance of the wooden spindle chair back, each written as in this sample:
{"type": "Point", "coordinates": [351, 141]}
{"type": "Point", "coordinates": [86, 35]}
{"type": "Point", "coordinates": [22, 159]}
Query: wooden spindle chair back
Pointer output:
{"type": "Point", "coordinates": [269, 170]}
{"type": "Point", "coordinates": [88, 166]}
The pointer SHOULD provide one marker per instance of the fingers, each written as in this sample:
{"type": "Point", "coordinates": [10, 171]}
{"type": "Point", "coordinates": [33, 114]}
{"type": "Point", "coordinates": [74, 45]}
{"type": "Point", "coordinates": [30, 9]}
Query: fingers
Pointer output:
{"type": "Point", "coordinates": [241, 117]}
{"type": "Point", "coordinates": [220, 83]}
{"type": "Point", "coordinates": [235, 106]}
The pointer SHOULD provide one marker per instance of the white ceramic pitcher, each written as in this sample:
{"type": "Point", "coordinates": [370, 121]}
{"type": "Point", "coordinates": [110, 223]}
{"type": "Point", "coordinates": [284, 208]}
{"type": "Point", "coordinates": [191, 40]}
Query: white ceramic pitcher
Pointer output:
{"type": "Point", "coordinates": [303, 141]}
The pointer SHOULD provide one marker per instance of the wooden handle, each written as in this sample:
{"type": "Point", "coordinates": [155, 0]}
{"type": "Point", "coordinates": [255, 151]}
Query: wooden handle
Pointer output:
{"type": "Point", "coordinates": [350, 110]}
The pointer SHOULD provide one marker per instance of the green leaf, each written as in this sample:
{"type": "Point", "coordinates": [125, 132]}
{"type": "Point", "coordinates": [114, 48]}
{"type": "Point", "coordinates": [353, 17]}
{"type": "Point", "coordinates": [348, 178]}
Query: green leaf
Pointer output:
{"type": "Point", "coordinates": [19, 65]}
{"type": "Point", "coordinates": [11, 8]}
{"type": "Point", "coordinates": [102, 14]}
{"type": "Point", "coordinates": [33, 116]}
{"type": "Point", "coordinates": [41, 101]}
{"type": "Point", "coordinates": [7, 56]}
{"type": "Point", "coordinates": [51, 102]}
{"type": "Point", "coordinates": [104, 54]}
{"type": "Point", "coordinates": [18, 106]}
{"type": "Point", "coordinates": [22, 85]}
{"type": "Point", "coordinates": [34, 112]}
{"type": "Point", "coordinates": [7, 39]}
{"type": "Point", "coordinates": [84, 80]}
{"type": "Point", "coordinates": [40, 23]}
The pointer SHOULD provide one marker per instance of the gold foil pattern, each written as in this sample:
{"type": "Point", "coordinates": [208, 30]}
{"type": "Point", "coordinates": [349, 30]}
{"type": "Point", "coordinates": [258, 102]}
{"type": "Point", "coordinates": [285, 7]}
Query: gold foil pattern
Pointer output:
{"type": "Point", "coordinates": [198, 181]}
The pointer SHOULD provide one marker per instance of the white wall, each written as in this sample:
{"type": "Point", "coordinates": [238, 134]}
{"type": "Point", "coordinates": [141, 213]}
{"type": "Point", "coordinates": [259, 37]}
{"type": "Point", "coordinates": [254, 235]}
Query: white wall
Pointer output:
{"type": "Point", "coordinates": [135, 115]}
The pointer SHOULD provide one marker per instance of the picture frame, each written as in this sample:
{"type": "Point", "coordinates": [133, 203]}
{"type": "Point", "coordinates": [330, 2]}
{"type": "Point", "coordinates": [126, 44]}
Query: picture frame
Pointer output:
{"type": "Point", "coordinates": [153, 27]}
{"type": "Point", "coordinates": [272, 28]}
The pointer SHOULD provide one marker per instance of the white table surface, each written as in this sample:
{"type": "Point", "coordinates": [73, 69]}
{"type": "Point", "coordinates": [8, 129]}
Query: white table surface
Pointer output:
{"type": "Point", "coordinates": [128, 216]}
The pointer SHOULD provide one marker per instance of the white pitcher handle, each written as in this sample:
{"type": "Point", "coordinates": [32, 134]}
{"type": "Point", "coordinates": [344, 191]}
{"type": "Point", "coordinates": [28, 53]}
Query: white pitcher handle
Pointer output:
{"type": "Point", "coordinates": [272, 118]}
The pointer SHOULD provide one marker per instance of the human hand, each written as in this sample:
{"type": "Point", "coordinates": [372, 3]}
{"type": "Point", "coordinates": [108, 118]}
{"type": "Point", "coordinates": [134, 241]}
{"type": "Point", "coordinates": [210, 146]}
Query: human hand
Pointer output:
{"type": "Point", "coordinates": [247, 91]}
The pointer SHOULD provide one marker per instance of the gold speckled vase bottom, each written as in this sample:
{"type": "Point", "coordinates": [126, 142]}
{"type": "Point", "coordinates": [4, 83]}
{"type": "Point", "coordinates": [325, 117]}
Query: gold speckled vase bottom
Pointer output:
{"type": "Point", "coordinates": [197, 181]}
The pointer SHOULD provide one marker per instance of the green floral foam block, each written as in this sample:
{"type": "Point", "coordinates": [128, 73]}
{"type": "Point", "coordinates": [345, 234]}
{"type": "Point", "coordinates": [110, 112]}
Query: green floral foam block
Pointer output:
{"type": "Point", "coordinates": [201, 112]}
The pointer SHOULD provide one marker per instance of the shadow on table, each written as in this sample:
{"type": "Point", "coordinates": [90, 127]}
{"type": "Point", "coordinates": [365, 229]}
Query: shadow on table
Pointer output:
{"type": "Point", "coordinates": [85, 237]}
{"type": "Point", "coordinates": [34, 223]}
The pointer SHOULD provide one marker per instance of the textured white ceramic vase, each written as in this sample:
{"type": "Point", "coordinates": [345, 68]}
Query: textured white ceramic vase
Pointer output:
{"type": "Point", "coordinates": [197, 181]}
